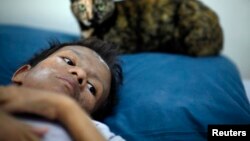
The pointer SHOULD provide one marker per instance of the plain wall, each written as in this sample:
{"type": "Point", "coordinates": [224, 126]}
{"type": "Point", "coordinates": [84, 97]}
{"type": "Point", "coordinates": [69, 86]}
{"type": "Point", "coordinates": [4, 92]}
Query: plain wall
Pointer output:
{"type": "Point", "coordinates": [49, 14]}
{"type": "Point", "coordinates": [235, 19]}
{"type": "Point", "coordinates": [56, 15]}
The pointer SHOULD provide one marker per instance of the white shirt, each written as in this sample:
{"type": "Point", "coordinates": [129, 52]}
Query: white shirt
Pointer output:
{"type": "Point", "coordinates": [58, 133]}
{"type": "Point", "coordinates": [108, 135]}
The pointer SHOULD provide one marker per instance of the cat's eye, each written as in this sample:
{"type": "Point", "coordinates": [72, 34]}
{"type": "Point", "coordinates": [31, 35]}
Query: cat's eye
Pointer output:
{"type": "Point", "coordinates": [82, 8]}
{"type": "Point", "coordinates": [68, 61]}
{"type": "Point", "coordinates": [100, 6]}
{"type": "Point", "coordinates": [91, 88]}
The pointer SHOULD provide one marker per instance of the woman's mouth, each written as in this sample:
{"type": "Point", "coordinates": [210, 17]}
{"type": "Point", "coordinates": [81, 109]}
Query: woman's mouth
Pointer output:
{"type": "Point", "coordinates": [71, 85]}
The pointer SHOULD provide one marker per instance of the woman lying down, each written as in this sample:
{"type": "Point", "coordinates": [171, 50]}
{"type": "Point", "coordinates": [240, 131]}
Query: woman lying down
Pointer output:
{"type": "Point", "coordinates": [73, 83]}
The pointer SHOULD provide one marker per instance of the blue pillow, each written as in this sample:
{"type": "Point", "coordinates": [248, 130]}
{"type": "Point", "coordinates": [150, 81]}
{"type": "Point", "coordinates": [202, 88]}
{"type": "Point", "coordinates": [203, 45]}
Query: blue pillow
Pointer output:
{"type": "Point", "coordinates": [19, 43]}
{"type": "Point", "coordinates": [174, 97]}
{"type": "Point", "coordinates": [164, 96]}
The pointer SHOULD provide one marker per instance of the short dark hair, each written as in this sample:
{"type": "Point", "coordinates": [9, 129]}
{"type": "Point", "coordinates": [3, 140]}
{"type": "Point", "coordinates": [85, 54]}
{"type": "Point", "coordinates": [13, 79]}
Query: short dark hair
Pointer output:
{"type": "Point", "coordinates": [108, 52]}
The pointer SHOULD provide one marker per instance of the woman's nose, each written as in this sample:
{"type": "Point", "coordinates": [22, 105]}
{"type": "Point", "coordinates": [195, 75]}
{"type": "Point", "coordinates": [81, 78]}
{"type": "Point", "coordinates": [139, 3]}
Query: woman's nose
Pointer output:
{"type": "Point", "coordinates": [80, 75]}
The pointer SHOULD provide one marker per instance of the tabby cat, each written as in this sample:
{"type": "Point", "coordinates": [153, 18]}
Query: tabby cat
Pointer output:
{"type": "Point", "coordinates": [177, 26]}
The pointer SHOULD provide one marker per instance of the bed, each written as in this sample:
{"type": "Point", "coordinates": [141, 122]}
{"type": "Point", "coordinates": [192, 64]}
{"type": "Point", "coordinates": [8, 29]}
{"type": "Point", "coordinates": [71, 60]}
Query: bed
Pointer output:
{"type": "Point", "coordinates": [164, 96]}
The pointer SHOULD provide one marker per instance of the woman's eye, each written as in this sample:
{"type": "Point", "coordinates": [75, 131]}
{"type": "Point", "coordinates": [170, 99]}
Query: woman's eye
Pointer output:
{"type": "Point", "coordinates": [91, 88]}
{"type": "Point", "coordinates": [68, 61]}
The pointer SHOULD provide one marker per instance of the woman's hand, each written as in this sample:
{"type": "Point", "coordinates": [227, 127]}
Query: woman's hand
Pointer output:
{"type": "Point", "coordinates": [14, 99]}
{"type": "Point", "coordinates": [14, 130]}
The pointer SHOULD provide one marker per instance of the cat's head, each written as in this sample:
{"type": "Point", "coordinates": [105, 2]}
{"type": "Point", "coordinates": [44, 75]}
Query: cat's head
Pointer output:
{"type": "Point", "coordinates": [90, 12]}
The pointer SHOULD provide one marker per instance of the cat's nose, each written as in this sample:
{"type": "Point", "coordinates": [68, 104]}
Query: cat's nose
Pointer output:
{"type": "Point", "coordinates": [92, 20]}
{"type": "Point", "coordinates": [97, 19]}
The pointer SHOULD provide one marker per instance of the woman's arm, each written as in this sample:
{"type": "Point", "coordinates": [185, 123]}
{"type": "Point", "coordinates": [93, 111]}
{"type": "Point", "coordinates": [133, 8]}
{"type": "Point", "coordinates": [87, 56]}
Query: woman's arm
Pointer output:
{"type": "Point", "coordinates": [54, 106]}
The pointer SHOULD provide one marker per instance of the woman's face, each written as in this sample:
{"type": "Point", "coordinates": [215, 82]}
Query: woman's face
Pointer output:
{"type": "Point", "coordinates": [72, 70]}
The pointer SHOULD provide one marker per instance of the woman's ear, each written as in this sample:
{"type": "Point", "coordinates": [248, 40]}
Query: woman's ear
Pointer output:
{"type": "Point", "coordinates": [19, 75]}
